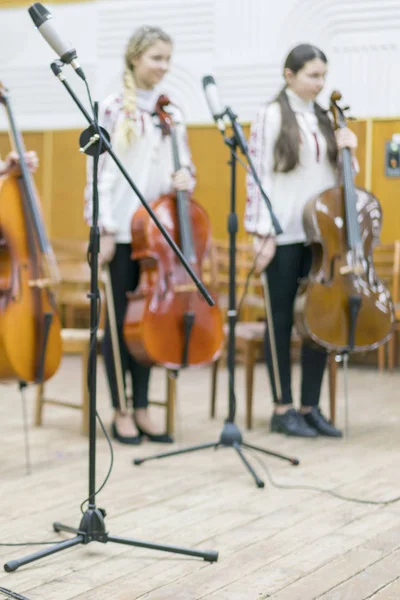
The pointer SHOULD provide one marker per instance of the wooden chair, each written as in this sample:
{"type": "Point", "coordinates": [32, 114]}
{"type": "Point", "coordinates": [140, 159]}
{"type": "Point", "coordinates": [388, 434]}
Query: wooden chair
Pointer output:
{"type": "Point", "coordinates": [72, 296]}
{"type": "Point", "coordinates": [249, 343]}
{"type": "Point", "coordinates": [74, 341]}
{"type": "Point", "coordinates": [387, 266]}
{"type": "Point", "coordinates": [249, 340]}
{"type": "Point", "coordinates": [253, 305]}
{"type": "Point", "coordinates": [249, 334]}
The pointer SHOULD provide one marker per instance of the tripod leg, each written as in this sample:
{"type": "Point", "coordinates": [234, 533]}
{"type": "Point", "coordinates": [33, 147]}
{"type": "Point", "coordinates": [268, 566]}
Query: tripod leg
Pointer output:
{"type": "Point", "coordinates": [13, 565]}
{"type": "Point", "coordinates": [10, 594]}
{"type": "Point", "coordinates": [60, 527]}
{"type": "Point", "coordinates": [139, 461]}
{"type": "Point", "coordinates": [209, 555]}
{"type": "Point", "coordinates": [293, 461]}
{"type": "Point", "coordinates": [259, 482]}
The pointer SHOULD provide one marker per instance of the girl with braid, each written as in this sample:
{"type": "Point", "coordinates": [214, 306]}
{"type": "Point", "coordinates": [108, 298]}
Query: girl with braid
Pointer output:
{"type": "Point", "coordinates": [137, 139]}
{"type": "Point", "coordinates": [295, 151]}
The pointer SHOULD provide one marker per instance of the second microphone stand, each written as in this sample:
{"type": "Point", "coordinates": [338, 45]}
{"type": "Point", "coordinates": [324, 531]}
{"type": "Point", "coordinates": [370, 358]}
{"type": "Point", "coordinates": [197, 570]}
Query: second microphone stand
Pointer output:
{"type": "Point", "coordinates": [231, 436]}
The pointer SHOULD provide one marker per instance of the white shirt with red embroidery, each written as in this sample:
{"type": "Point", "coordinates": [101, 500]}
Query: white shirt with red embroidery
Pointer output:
{"type": "Point", "coordinates": [288, 192]}
{"type": "Point", "coordinates": [148, 160]}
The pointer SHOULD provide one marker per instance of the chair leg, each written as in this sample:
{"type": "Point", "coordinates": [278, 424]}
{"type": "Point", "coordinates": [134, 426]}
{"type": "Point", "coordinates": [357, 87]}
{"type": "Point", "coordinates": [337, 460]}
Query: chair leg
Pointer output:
{"type": "Point", "coordinates": [250, 359]}
{"type": "Point", "coordinates": [171, 402]}
{"type": "Point", "coordinates": [69, 316]}
{"type": "Point", "coordinates": [214, 375]}
{"type": "Point", "coordinates": [39, 404]}
{"type": "Point", "coordinates": [332, 365]}
{"type": "Point", "coordinates": [381, 357]}
{"type": "Point", "coordinates": [85, 391]}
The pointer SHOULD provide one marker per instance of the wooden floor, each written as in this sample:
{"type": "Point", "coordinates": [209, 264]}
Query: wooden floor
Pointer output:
{"type": "Point", "coordinates": [283, 544]}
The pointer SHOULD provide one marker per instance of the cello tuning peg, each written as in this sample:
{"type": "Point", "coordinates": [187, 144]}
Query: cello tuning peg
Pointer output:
{"type": "Point", "coordinates": [348, 117]}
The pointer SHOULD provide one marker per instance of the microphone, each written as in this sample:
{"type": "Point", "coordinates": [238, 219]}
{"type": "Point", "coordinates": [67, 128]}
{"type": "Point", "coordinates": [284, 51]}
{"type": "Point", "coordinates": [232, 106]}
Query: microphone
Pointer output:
{"type": "Point", "coordinates": [214, 102]}
{"type": "Point", "coordinates": [67, 53]}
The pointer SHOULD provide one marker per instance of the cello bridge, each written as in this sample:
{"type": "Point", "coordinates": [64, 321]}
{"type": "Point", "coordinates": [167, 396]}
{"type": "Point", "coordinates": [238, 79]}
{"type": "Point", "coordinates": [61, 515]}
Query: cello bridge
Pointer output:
{"type": "Point", "coordinates": [353, 269]}
{"type": "Point", "coordinates": [40, 283]}
{"type": "Point", "coordinates": [185, 287]}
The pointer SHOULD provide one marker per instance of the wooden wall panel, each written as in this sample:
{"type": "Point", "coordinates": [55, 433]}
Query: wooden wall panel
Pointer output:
{"type": "Point", "coordinates": [69, 175]}
{"type": "Point", "coordinates": [61, 178]}
{"type": "Point", "coordinates": [385, 188]}
{"type": "Point", "coordinates": [360, 129]}
{"type": "Point", "coordinates": [211, 156]}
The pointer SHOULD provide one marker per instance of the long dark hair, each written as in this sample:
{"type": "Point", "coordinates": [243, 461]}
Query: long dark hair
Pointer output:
{"type": "Point", "coordinates": [287, 147]}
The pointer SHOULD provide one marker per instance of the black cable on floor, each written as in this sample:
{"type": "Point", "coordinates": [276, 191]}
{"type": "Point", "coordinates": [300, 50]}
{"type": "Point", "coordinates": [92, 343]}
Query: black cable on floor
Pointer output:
{"type": "Point", "coordinates": [312, 488]}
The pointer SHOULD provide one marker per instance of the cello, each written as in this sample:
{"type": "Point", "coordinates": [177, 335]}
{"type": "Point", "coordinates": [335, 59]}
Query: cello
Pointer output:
{"type": "Point", "coordinates": [342, 305]}
{"type": "Point", "coordinates": [30, 328]}
{"type": "Point", "coordinates": [167, 321]}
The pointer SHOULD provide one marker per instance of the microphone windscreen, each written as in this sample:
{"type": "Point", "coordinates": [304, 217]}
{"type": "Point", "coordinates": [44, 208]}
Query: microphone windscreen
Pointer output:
{"type": "Point", "coordinates": [39, 14]}
{"type": "Point", "coordinates": [207, 79]}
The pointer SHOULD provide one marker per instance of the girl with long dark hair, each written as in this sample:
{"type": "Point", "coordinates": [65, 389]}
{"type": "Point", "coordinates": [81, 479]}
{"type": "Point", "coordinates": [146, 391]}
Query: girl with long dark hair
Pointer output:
{"type": "Point", "coordinates": [295, 151]}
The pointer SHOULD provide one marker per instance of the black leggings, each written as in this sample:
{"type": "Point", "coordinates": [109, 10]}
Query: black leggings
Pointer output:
{"type": "Point", "coordinates": [290, 263]}
{"type": "Point", "coordinates": [124, 278]}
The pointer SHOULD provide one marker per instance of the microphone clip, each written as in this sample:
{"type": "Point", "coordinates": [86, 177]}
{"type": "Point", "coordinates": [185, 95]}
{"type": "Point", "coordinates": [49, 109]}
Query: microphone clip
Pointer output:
{"type": "Point", "coordinates": [56, 66]}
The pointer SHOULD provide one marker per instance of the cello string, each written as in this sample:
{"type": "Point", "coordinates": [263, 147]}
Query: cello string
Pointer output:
{"type": "Point", "coordinates": [31, 206]}
{"type": "Point", "coordinates": [30, 202]}
{"type": "Point", "coordinates": [349, 191]}
{"type": "Point", "coordinates": [185, 231]}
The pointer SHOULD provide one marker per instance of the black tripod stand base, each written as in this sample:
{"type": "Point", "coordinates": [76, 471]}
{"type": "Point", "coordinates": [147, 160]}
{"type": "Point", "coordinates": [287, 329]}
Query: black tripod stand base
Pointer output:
{"type": "Point", "coordinates": [92, 529]}
{"type": "Point", "coordinates": [230, 438]}
{"type": "Point", "coordinates": [10, 594]}
{"type": "Point", "coordinates": [230, 434]}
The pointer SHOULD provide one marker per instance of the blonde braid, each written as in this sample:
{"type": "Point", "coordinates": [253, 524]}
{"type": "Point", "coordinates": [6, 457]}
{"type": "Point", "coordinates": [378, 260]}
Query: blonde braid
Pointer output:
{"type": "Point", "coordinates": [127, 130]}
{"type": "Point", "coordinates": [141, 40]}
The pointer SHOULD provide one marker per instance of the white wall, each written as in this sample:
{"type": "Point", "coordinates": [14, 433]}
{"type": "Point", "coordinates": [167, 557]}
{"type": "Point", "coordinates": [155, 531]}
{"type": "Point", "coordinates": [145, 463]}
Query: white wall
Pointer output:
{"type": "Point", "coordinates": [241, 42]}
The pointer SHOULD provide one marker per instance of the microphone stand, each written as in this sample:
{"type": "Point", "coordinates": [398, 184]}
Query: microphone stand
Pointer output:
{"type": "Point", "coordinates": [231, 436]}
{"type": "Point", "coordinates": [95, 140]}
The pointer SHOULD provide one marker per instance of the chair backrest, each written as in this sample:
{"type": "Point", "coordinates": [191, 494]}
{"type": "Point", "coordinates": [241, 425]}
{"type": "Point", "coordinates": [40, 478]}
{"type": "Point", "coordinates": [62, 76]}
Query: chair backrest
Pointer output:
{"type": "Point", "coordinates": [69, 250]}
{"type": "Point", "coordinates": [219, 275]}
{"type": "Point", "coordinates": [72, 293]}
{"type": "Point", "coordinates": [387, 266]}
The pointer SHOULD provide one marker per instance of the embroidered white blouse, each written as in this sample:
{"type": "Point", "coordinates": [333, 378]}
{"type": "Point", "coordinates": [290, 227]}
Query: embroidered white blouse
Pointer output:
{"type": "Point", "coordinates": [148, 160]}
{"type": "Point", "coordinates": [288, 192]}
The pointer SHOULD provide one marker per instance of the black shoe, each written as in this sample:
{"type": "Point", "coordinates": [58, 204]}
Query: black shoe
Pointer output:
{"type": "Point", "coordinates": [133, 440]}
{"type": "Point", "coordinates": [317, 420]}
{"type": "Point", "coordinates": [292, 423]}
{"type": "Point", "coordinates": [161, 438]}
